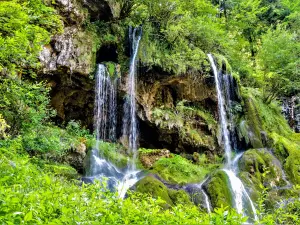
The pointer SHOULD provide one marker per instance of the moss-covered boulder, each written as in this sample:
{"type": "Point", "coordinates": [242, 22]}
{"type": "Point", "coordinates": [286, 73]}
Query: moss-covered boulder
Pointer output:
{"type": "Point", "coordinates": [178, 170]}
{"type": "Point", "coordinates": [150, 185]}
{"type": "Point", "coordinates": [179, 197]}
{"type": "Point", "coordinates": [262, 168]}
{"type": "Point", "coordinates": [155, 188]}
{"type": "Point", "coordinates": [288, 150]}
{"type": "Point", "coordinates": [218, 189]}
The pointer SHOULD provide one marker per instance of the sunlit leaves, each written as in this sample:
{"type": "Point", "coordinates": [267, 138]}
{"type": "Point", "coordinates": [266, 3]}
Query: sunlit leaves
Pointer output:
{"type": "Point", "coordinates": [24, 27]}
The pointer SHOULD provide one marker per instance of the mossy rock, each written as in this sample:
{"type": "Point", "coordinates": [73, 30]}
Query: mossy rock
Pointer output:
{"type": "Point", "coordinates": [288, 149]}
{"type": "Point", "coordinates": [154, 187]}
{"type": "Point", "coordinates": [218, 189]}
{"type": "Point", "coordinates": [262, 167]}
{"type": "Point", "coordinates": [253, 124]}
{"type": "Point", "coordinates": [178, 170]}
{"type": "Point", "coordinates": [179, 197]}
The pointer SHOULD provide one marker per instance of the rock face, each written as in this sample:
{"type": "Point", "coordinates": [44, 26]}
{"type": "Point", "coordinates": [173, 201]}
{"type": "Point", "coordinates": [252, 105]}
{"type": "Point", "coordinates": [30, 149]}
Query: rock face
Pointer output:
{"type": "Point", "coordinates": [180, 112]}
{"type": "Point", "coordinates": [75, 158]}
{"type": "Point", "coordinates": [291, 111]}
{"type": "Point", "coordinates": [71, 52]}
{"type": "Point", "coordinates": [68, 61]}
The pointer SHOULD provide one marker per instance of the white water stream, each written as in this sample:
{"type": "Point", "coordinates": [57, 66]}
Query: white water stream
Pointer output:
{"type": "Point", "coordinates": [238, 190]}
{"type": "Point", "coordinates": [105, 125]}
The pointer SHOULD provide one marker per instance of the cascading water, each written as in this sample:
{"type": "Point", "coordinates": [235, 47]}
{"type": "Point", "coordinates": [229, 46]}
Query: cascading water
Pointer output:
{"type": "Point", "coordinates": [105, 127]}
{"type": "Point", "coordinates": [129, 120]}
{"type": "Point", "coordinates": [206, 198]}
{"type": "Point", "coordinates": [238, 190]}
{"type": "Point", "coordinates": [222, 112]}
{"type": "Point", "coordinates": [105, 124]}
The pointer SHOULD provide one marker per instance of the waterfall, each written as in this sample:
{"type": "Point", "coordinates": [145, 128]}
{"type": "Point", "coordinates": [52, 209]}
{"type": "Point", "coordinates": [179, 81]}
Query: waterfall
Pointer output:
{"type": "Point", "coordinates": [222, 112]}
{"type": "Point", "coordinates": [105, 127]}
{"type": "Point", "coordinates": [237, 188]}
{"type": "Point", "coordinates": [129, 120]}
{"type": "Point", "coordinates": [206, 198]}
{"type": "Point", "coordinates": [105, 105]}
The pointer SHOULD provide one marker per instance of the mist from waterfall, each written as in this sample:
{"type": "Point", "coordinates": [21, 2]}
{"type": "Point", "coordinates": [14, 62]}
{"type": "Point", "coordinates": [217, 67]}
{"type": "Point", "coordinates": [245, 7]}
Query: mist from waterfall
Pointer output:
{"type": "Point", "coordinates": [238, 190]}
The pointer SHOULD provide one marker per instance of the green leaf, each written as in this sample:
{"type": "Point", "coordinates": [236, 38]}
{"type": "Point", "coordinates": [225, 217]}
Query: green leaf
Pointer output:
{"type": "Point", "coordinates": [28, 216]}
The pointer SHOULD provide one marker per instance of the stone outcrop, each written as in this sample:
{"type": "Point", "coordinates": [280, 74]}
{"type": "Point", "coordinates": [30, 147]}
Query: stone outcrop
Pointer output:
{"type": "Point", "coordinates": [174, 108]}
{"type": "Point", "coordinates": [70, 52]}
{"type": "Point", "coordinates": [291, 111]}
{"type": "Point", "coordinates": [149, 158]}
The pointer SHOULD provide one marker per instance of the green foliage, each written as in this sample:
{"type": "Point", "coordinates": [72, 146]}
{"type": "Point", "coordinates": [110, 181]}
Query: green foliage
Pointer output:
{"type": "Point", "coordinates": [278, 59]}
{"type": "Point", "coordinates": [24, 27]}
{"type": "Point", "coordinates": [24, 105]}
{"type": "Point", "coordinates": [286, 211]}
{"type": "Point", "coordinates": [176, 34]}
{"type": "Point", "coordinates": [179, 170]}
{"type": "Point", "coordinates": [30, 194]}
{"type": "Point", "coordinates": [49, 139]}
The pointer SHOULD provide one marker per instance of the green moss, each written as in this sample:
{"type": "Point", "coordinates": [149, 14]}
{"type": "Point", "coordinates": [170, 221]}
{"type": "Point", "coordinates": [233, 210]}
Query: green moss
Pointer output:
{"type": "Point", "coordinates": [61, 170]}
{"type": "Point", "coordinates": [258, 170]}
{"type": "Point", "coordinates": [179, 170]}
{"type": "Point", "coordinates": [289, 149]}
{"type": "Point", "coordinates": [115, 153]}
{"type": "Point", "coordinates": [155, 188]}
{"type": "Point", "coordinates": [219, 190]}
{"type": "Point", "coordinates": [250, 128]}
{"type": "Point", "coordinates": [263, 116]}
{"type": "Point", "coordinates": [179, 197]}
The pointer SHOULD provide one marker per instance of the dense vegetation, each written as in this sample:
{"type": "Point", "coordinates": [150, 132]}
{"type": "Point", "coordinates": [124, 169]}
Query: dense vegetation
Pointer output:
{"type": "Point", "coordinates": [259, 41]}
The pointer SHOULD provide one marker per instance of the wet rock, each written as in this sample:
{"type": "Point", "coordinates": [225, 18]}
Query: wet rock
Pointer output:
{"type": "Point", "coordinates": [75, 157]}
{"type": "Point", "coordinates": [291, 111]}
{"type": "Point", "coordinates": [262, 168]}
{"type": "Point", "coordinates": [218, 189]}
{"type": "Point", "coordinates": [162, 102]}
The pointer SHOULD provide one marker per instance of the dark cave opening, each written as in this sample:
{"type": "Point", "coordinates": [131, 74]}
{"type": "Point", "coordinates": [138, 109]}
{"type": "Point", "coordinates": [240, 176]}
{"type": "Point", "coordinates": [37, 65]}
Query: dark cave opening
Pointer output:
{"type": "Point", "coordinates": [107, 53]}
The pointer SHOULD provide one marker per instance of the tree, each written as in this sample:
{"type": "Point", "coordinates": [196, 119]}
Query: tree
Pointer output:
{"type": "Point", "coordinates": [278, 63]}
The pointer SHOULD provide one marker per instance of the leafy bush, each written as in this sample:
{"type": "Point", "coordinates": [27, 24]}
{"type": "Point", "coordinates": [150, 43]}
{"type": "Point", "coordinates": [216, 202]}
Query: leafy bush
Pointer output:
{"type": "Point", "coordinates": [24, 105]}
{"type": "Point", "coordinates": [29, 195]}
